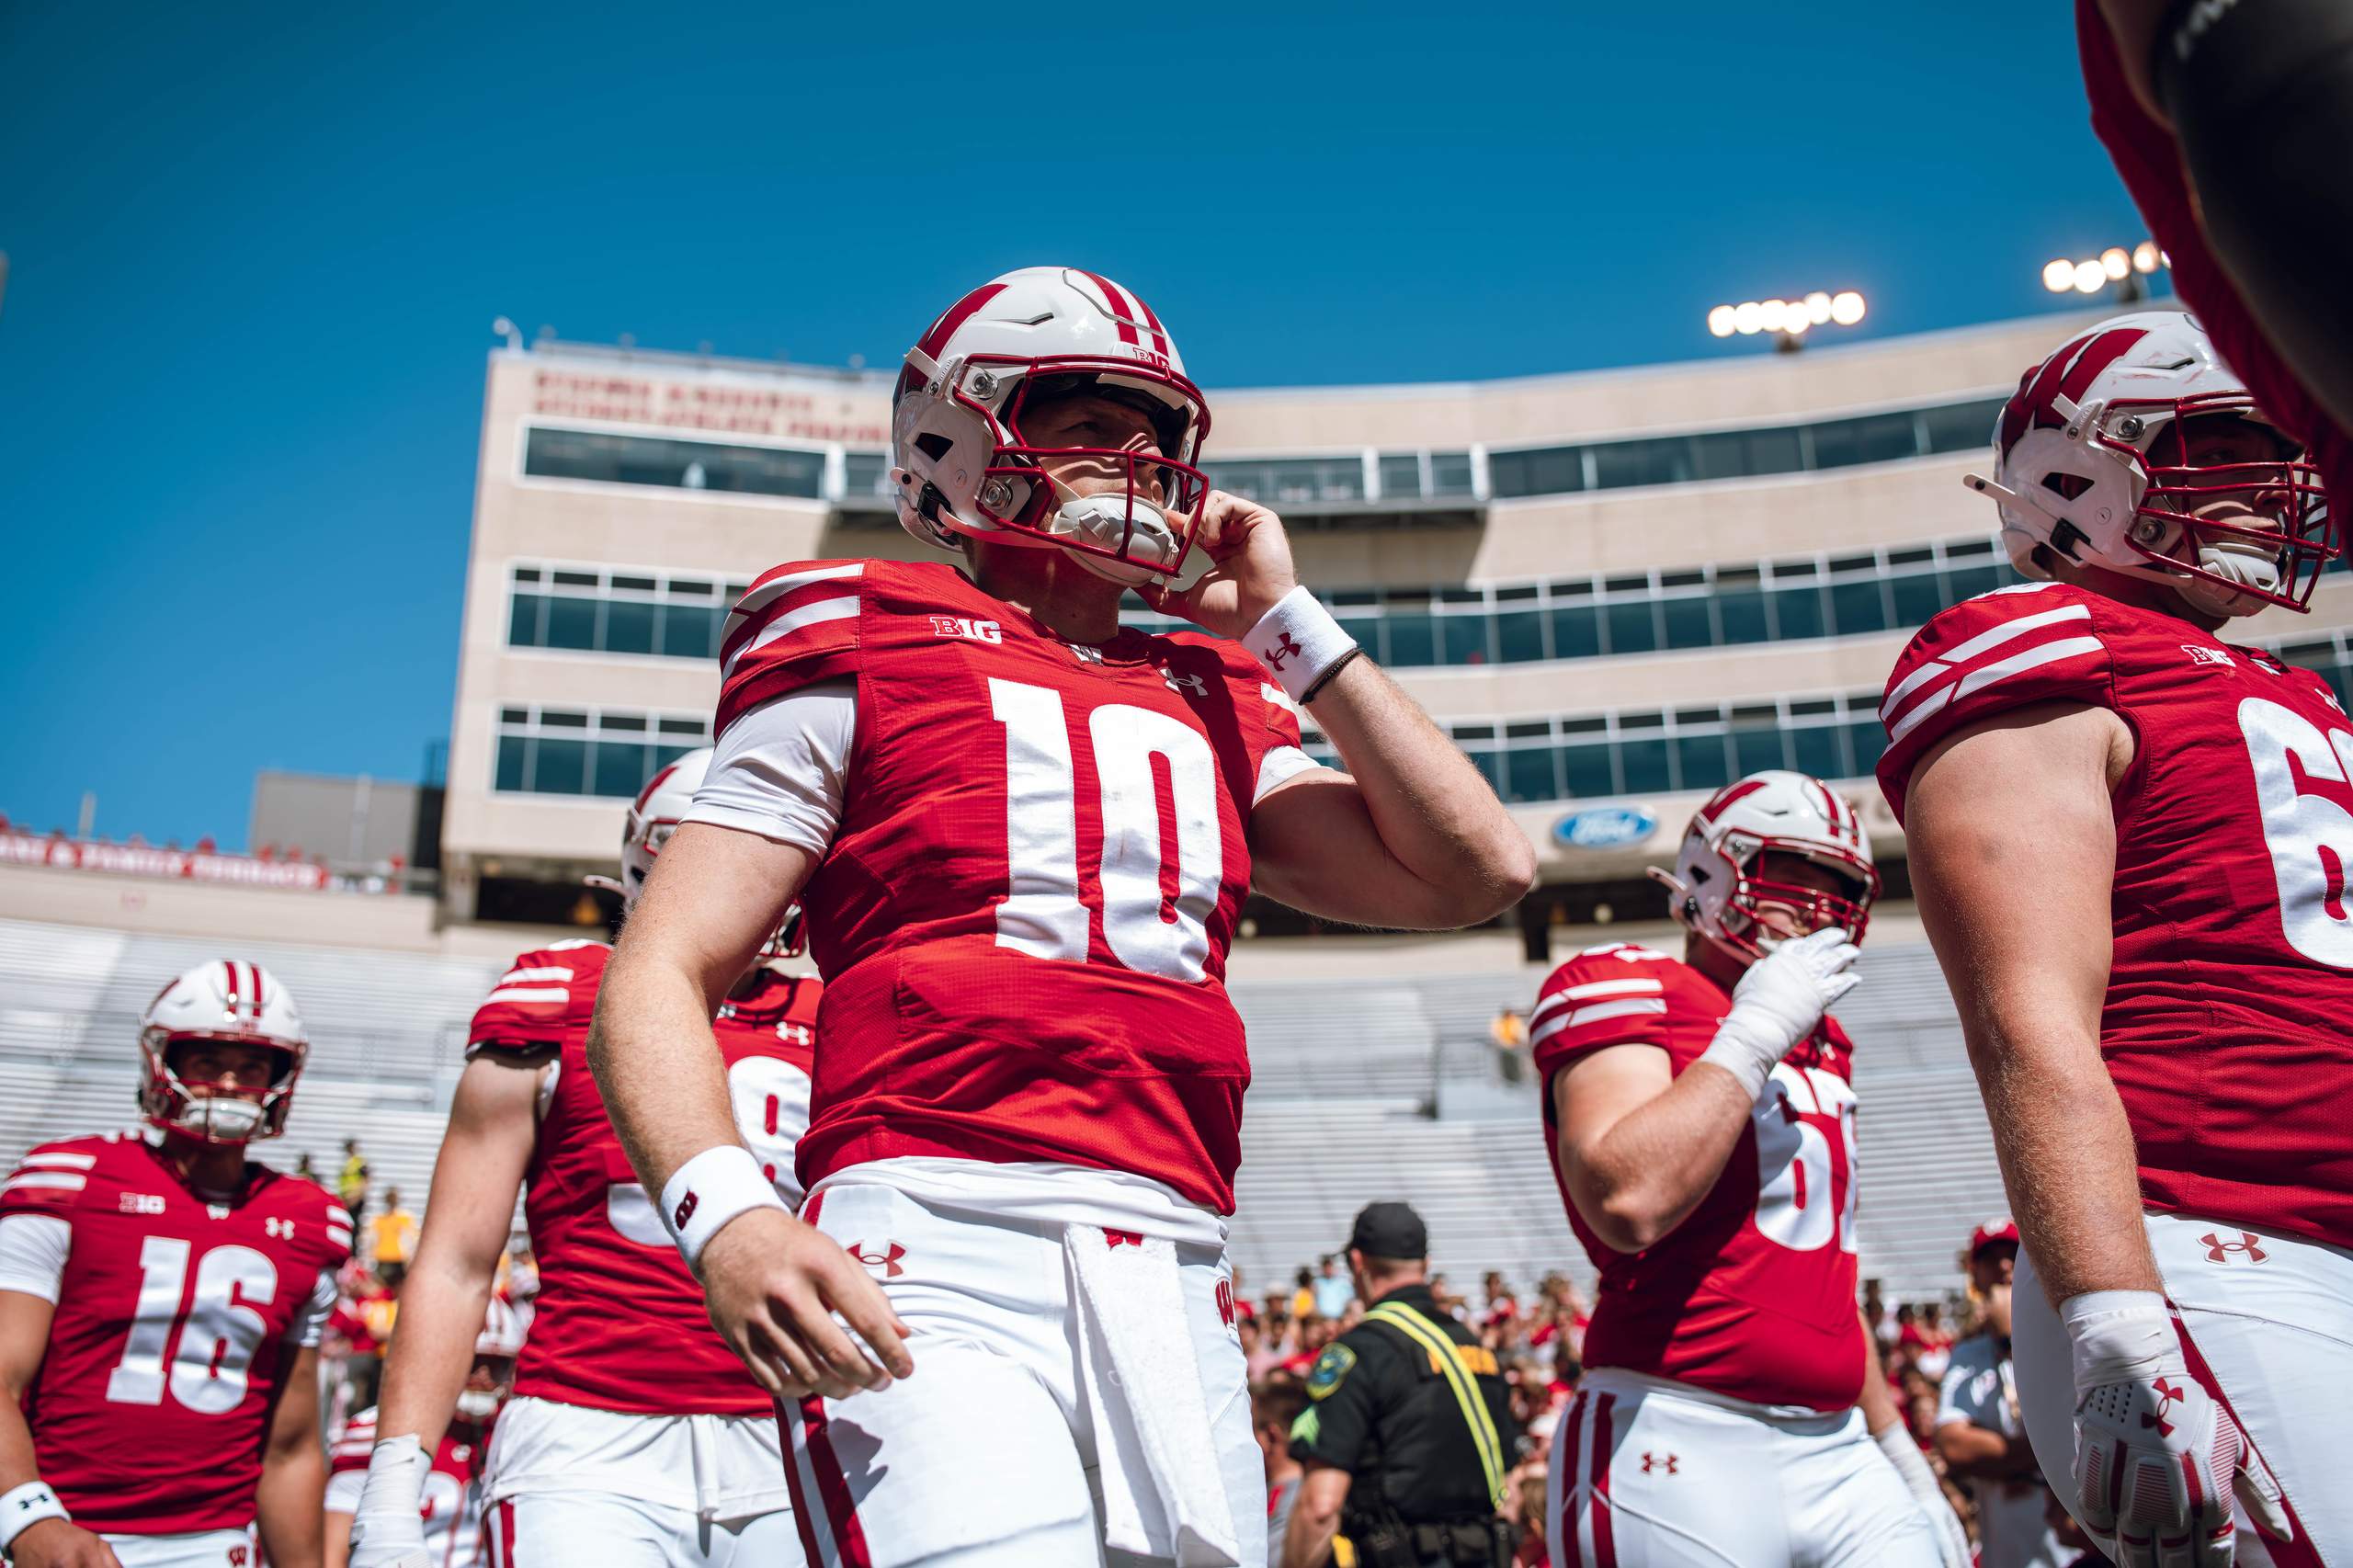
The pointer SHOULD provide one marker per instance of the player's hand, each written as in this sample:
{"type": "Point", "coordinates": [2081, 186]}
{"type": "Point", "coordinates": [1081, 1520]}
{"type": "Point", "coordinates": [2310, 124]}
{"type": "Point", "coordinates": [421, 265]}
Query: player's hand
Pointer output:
{"type": "Point", "coordinates": [59, 1544]}
{"type": "Point", "coordinates": [773, 1285]}
{"type": "Point", "coordinates": [2158, 1457]}
{"type": "Point", "coordinates": [1953, 1539]}
{"type": "Point", "coordinates": [1250, 568]}
{"type": "Point", "coordinates": [1780, 1001]}
{"type": "Point", "coordinates": [388, 1525]}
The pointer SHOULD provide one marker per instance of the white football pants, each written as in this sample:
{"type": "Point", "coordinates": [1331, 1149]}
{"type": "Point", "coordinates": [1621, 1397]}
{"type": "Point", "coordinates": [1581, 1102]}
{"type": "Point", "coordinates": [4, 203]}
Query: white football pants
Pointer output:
{"type": "Point", "coordinates": [569, 1529]}
{"type": "Point", "coordinates": [195, 1548]}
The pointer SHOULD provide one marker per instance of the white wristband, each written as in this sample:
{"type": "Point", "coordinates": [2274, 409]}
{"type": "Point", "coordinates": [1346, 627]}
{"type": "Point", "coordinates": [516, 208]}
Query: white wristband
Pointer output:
{"type": "Point", "coordinates": [26, 1506]}
{"type": "Point", "coordinates": [710, 1190]}
{"type": "Point", "coordinates": [1297, 641]}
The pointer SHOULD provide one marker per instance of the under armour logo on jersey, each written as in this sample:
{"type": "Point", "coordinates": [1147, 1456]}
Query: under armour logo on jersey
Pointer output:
{"type": "Point", "coordinates": [971, 631]}
{"type": "Point", "coordinates": [686, 1206]}
{"type": "Point", "coordinates": [2201, 654]}
{"type": "Point", "coordinates": [2220, 1251]}
{"type": "Point", "coordinates": [276, 1227]}
{"type": "Point", "coordinates": [2167, 1393]}
{"type": "Point", "coordinates": [796, 1034]}
{"type": "Point", "coordinates": [1283, 649]}
{"type": "Point", "coordinates": [1193, 683]}
{"type": "Point", "coordinates": [886, 1258]}
{"type": "Point", "coordinates": [1668, 1462]}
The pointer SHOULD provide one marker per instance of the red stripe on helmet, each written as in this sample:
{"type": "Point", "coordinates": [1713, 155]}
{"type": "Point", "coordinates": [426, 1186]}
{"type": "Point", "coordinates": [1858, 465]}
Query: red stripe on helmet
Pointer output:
{"type": "Point", "coordinates": [1730, 796]}
{"type": "Point", "coordinates": [1118, 303]}
{"type": "Point", "coordinates": [653, 784]}
{"type": "Point", "coordinates": [1159, 333]}
{"type": "Point", "coordinates": [936, 339]}
{"type": "Point", "coordinates": [229, 967]}
{"type": "Point", "coordinates": [2072, 372]}
{"type": "Point", "coordinates": [253, 973]}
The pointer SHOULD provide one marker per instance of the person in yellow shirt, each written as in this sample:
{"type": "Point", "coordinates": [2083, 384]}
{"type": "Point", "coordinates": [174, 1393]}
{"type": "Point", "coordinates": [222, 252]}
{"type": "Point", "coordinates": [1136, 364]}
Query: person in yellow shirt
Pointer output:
{"type": "Point", "coordinates": [391, 1234]}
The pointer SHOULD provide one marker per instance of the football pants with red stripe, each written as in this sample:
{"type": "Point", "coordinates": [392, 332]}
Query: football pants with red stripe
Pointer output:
{"type": "Point", "coordinates": [564, 1529]}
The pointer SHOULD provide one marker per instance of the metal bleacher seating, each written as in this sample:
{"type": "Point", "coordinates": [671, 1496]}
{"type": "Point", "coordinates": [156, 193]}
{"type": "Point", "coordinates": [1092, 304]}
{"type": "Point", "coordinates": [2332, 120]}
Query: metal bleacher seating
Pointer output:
{"type": "Point", "coordinates": [1346, 1075]}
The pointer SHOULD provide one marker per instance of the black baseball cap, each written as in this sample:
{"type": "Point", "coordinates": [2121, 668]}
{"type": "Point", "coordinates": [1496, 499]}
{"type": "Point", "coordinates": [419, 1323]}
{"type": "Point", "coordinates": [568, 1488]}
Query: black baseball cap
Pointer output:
{"type": "Point", "coordinates": [1390, 1229]}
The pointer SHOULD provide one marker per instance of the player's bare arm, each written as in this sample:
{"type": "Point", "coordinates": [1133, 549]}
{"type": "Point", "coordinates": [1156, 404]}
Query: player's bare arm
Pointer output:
{"type": "Point", "coordinates": [492, 1132]}
{"type": "Point", "coordinates": [1315, 1516]}
{"type": "Point", "coordinates": [1641, 1146]}
{"type": "Point", "coordinates": [1411, 835]}
{"type": "Point", "coordinates": [290, 1504]}
{"type": "Point", "coordinates": [2020, 923]}
{"type": "Point", "coordinates": [24, 1340]}
{"type": "Point", "coordinates": [773, 1284]}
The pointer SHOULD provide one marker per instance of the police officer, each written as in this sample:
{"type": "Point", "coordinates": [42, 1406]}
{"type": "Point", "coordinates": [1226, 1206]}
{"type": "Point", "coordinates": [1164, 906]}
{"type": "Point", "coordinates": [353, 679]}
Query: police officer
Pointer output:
{"type": "Point", "coordinates": [1408, 1432]}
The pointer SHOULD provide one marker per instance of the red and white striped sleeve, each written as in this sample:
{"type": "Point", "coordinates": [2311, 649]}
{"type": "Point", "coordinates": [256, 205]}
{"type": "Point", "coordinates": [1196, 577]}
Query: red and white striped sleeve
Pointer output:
{"type": "Point", "coordinates": [796, 627]}
{"type": "Point", "coordinates": [2014, 647]}
{"type": "Point", "coordinates": [1604, 997]}
{"type": "Point", "coordinates": [545, 994]}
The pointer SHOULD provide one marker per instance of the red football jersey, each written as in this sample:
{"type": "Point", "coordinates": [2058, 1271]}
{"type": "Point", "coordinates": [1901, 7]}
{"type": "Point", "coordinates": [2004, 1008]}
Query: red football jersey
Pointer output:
{"type": "Point", "coordinates": [1024, 914]}
{"type": "Point", "coordinates": [618, 1324]}
{"type": "Point", "coordinates": [2224, 1025]}
{"type": "Point", "coordinates": [451, 1502]}
{"type": "Point", "coordinates": [2149, 160]}
{"type": "Point", "coordinates": [1753, 1295]}
{"type": "Point", "coordinates": [172, 1332]}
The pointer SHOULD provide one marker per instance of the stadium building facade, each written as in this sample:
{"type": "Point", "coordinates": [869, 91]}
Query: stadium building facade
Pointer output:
{"type": "Point", "coordinates": [1618, 590]}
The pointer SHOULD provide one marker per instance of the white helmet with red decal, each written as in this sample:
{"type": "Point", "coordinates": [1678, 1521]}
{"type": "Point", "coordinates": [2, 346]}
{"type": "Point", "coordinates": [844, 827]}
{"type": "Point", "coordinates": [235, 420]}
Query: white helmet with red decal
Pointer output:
{"type": "Point", "coordinates": [228, 1001]}
{"type": "Point", "coordinates": [500, 1341]}
{"type": "Point", "coordinates": [962, 466]}
{"type": "Point", "coordinates": [1717, 887]}
{"type": "Point", "coordinates": [653, 816]}
{"type": "Point", "coordinates": [2092, 458]}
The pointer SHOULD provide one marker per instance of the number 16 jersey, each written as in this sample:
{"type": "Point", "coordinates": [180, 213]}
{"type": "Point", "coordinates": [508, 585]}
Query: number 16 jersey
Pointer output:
{"type": "Point", "coordinates": [2230, 989]}
{"type": "Point", "coordinates": [1028, 872]}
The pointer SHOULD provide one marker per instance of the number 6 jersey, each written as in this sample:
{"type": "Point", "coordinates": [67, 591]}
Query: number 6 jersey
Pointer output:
{"type": "Point", "coordinates": [175, 1320]}
{"type": "Point", "coordinates": [1030, 856]}
{"type": "Point", "coordinates": [1753, 1295]}
{"type": "Point", "coordinates": [2228, 1026]}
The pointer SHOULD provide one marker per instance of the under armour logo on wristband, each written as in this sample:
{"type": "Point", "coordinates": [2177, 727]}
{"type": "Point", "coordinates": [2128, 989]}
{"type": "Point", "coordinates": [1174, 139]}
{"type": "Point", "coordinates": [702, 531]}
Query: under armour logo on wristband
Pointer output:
{"type": "Point", "coordinates": [686, 1209]}
{"type": "Point", "coordinates": [2167, 1393]}
{"type": "Point", "coordinates": [1283, 649]}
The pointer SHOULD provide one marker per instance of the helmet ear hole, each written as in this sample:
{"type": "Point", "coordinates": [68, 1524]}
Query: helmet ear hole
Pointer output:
{"type": "Point", "coordinates": [933, 445]}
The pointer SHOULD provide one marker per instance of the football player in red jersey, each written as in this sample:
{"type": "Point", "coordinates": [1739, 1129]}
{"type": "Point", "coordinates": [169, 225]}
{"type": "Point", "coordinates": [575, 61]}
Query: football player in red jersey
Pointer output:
{"type": "Point", "coordinates": [1024, 835]}
{"type": "Point", "coordinates": [634, 1438]}
{"type": "Point", "coordinates": [449, 1509]}
{"type": "Point", "coordinates": [2129, 841]}
{"type": "Point", "coordinates": [1700, 1119]}
{"type": "Point", "coordinates": [161, 1299]}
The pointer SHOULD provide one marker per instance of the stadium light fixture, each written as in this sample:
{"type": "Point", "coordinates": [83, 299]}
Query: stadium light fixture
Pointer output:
{"type": "Point", "coordinates": [1788, 321]}
{"type": "Point", "coordinates": [2114, 268]}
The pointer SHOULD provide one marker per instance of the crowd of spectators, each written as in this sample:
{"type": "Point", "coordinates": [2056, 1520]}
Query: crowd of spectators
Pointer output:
{"type": "Point", "coordinates": [1968, 1431]}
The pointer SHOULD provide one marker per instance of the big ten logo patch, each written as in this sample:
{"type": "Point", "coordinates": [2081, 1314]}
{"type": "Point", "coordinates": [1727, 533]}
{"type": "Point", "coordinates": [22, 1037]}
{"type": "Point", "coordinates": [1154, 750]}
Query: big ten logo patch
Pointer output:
{"type": "Point", "coordinates": [140, 1203]}
{"type": "Point", "coordinates": [965, 627]}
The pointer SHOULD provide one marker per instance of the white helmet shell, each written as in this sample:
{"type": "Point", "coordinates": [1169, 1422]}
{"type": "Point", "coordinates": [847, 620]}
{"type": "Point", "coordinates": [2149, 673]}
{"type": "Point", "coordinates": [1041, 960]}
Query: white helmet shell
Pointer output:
{"type": "Point", "coordinates": [961, 466]}
{"type": "Point", "coordinates": [653, 816]}
{"type": "Point", "coordinates": [502, 1329]}
{"type": "Point", "coordinates": [231, 1000]}
{"type": "Point", "coordinates": [2091, 461]}
{"type": "Point", "coordinates": [1716, 888]}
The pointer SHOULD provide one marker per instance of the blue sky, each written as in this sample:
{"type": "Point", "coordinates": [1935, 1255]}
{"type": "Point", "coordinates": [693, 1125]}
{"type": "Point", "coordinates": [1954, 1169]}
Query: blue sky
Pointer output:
{"type": "Point", "coordinates": [255, 252]}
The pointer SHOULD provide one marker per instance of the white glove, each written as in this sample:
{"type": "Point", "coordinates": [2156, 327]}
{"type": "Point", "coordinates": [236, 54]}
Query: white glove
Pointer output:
{"type": "Point", "coordinates": [1780, 1001]}
{"type": "Point", "coordinates": [388, 1527]}
{"type": "Point", "coordinates": [1952, 1541]}
{"type": "Point", "coordinates": [2156, 1457]}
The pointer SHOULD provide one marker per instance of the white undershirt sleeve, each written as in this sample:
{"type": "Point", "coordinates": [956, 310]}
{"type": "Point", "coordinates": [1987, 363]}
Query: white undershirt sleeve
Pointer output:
{"type": "Point", "coordinates": [311, 1321]}
{"type": "Point", "coordinates": [33, 1248]}
{"type": "Point", "coordinates": [1278, 767]}
{"type": "Point", "coordinates": [780, 767]}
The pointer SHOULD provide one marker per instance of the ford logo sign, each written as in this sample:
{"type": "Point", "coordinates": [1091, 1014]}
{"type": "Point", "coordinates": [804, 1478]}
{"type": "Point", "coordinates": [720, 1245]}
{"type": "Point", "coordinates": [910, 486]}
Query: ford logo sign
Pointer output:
{"type": "Point", "coordinates": [1605, 827]}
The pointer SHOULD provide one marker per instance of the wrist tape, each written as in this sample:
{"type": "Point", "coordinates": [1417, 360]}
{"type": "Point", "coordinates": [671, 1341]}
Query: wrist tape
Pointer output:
{"type": "Point", "coordinates": [710, 1190]}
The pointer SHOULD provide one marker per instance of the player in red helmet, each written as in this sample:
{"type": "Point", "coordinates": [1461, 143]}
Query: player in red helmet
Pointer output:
{"type": "Point", "coordinates": [1701, 1117]}
{"type": "Point", "coordinates": [449, 1509]}
{"type": "Point", "coordinates": [2129, 839]}
{"type": "Point", "coordinates": [161, 1299]}
{"type": "Point", "coordinates": [635, 1439]}
{"type": "Point", "coordinates": [1024, 835]}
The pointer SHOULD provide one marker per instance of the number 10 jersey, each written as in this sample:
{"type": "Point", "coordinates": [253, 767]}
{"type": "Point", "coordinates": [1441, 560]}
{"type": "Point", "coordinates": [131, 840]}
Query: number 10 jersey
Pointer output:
{"type": "Point", "coordinates": [1042, 850]}
{"type": "Point", "coordinates": [2230, 990]}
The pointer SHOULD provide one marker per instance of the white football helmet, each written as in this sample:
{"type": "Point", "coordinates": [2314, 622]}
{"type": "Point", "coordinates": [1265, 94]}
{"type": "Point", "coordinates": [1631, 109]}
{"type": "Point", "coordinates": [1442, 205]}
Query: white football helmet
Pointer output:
{"type": "Point", "coordinates": [501, 1340]}
{"type": "Point", "coordinates": [652, 817]}
{"type": "Point", "coordinates": [1715, 886]}
{"type": "Point", "coordinates": [961, 465]}
{"type": "Point", "coordinates": [2091, 458]}
{"type": "Point", "coordinates": [230, 1000]}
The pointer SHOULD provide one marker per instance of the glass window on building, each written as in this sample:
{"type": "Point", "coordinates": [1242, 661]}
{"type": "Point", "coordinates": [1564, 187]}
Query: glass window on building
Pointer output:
{"type": "Point", "coordinates": [1865, 741]}
{"type": "Point", "coordinates": [1546, 470]}
{"type": "Point", "coordinates": [514, 755]}
{"type": "Point", "coordinates": [1529, 775]}
{"type": "Point", "coordinates": [1872, 438]}
{"type": "Point", "coordinates": [1919, 596]}
{"type": "Point", "coordinates": [629, 626]}
{"type": "Point", "coordinates": [1740, 606]}
{"type": "Point", "coordinates": [523, 621]}
{"type": "Point", "coordinates": [1632, 625]}
{"type": "Point", "coordinates": [1967, 582]}
{"type": "Point", "coordinates": [1797, 613]}
{"type": "Point", "coordinates": [1859, 604]}
{"type": "Point", "coordinates": [866, 476]}
{"type": "Point", "coordinates": [1519, 636]}
{"type": "Point", "coordinates": [1734, 454]}
{"type": "Point", "coordinates": [620, 769]}
{"type": "Point", "coordinates": [691, 631]}
{"type": "Point", "coordinates": [1755, 746]}
{"type": "Point", "coordinates": [1462, 639]}
{"type": "Point", "coordinates": [1587, 771]}
{"type": "Point", "coordinates": [1815, 749]}
{"type": "Point", "coordinates": [1450, 473]}
{"type": "Point", "coordinates": [572, 622]}
{"type": "Point", "coordinates": [1959, 426]}
{"type": "Point", "coordinates": [1413, 639]}
{"type": "Point", "coordinates": [1646, 765]}
{"type": "Point", "coordinates": [1576, 631]}
{"type": "Point", "coordinates": [1401, 476]}
{"type": "Point", "coordinates": [1657, 460]}
{"type": "Point", "coordinates": [673, 464]}
{"type": "Point", "coordinates": [1687, 621]}
{"type": "Point", "coordinates": [1700, 762]}
{"type": "Point", "coordinates": [559, 767]}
